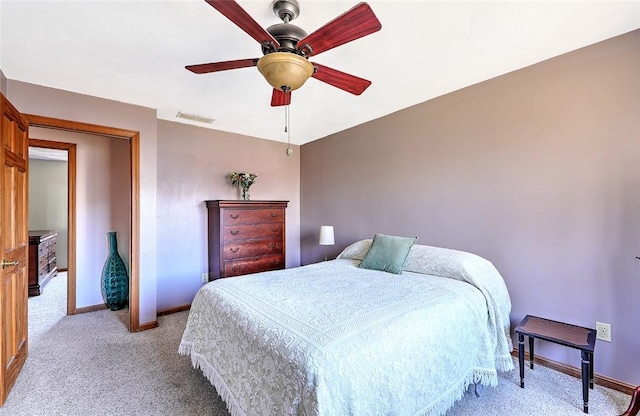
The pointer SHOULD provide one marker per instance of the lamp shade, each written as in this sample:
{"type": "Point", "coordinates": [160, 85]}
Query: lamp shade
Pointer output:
{"type": "Point", "coordinates": [326, 235]}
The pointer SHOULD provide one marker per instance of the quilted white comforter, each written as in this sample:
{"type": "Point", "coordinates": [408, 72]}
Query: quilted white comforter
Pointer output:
{"type": "Point", "coordinates": [333, 339]}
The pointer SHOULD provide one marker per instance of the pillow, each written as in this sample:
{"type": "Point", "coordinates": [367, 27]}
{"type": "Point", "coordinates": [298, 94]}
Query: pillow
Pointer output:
{"type": "Point", "coordinates": [356, 251]}
{"type": "Point", "coordinates": [387, 253]}
{"type": "Point", "coordinates": [444, 262]}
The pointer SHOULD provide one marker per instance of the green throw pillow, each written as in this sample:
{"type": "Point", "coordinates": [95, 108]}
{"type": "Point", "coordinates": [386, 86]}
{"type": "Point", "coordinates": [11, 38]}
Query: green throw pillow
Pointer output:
{"type": "Point", "coordinates": [388, 253]}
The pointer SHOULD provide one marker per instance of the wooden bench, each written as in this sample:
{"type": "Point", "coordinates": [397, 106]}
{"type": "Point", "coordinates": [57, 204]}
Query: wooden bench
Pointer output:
{"type": "Point", "coordinates": [561, 333]}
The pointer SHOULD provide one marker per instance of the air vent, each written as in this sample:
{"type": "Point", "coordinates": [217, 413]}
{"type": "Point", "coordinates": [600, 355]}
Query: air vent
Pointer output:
{"type": "Point", "coordinates": [195, 117]}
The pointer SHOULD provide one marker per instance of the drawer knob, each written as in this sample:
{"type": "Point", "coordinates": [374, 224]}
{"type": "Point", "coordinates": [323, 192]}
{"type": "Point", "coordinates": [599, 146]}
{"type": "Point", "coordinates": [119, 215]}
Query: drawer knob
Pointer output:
{"type": "Point", "coordinates": [234, 249]}
{"type": "Point", "coordinates": [274, 230]}
{"type": "Point", "coordinates": [235, 217]}
{"type": "Point", "coordinates": [273, 215]}
{"type": "Point", "coordinates": [235, 232]}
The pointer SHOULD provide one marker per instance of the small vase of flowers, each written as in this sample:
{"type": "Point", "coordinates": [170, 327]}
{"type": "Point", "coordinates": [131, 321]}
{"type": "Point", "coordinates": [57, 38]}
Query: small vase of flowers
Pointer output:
{"type": "Point", "coordinates": [243, 181]}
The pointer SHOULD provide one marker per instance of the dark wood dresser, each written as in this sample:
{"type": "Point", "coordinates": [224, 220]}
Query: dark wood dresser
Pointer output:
{"type": "Point", "coordinates": [245, 237]}
{"type": "Point", "coordinates": [42, 259]}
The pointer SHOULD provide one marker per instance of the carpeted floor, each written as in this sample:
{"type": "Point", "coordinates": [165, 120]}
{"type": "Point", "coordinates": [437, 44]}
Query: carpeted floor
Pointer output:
{"type": "Point", "coordinates": [90, 364]}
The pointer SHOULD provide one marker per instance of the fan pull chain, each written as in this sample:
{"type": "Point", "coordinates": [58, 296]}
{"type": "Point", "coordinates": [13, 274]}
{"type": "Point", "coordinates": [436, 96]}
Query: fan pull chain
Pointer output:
{"type": "Point", "coordinates": [286, 118]}
{"type": "Point", "coordinates": [287, 129]}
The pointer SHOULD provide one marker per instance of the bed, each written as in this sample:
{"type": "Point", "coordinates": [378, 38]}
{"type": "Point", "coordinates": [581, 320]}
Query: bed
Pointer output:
{"type": "Point", "coordinates": [332, 338]}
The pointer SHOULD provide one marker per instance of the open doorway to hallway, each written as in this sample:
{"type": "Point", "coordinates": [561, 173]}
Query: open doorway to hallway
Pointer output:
{"type": "Point", "coordinates": [132, 137]}
{"type": "Point", "coordinates": [99, 183]}
{"type": "Point", "coordinates": [48, 215]}
{"type": "Point", "coordinates": [51, 217]}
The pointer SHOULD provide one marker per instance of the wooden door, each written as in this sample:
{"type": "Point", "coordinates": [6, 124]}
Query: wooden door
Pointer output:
{"type": "Point", "coordinates": [14, 245]}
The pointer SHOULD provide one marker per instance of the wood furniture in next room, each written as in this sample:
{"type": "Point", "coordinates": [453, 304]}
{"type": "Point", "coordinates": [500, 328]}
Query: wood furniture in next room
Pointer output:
{"type": "Point", "coordinates": [245, 237]}
{"type": "Point", "coordinates": [42, 259]}
{"type": "Point", "coordinates": [561, 333]}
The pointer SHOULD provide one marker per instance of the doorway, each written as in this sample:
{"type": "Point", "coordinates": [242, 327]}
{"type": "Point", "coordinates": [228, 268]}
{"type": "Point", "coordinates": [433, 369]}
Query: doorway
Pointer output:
{"type": "Point", "coordinates": [133, 138]}
{"type": "Point", "coordinates": [62, 215]}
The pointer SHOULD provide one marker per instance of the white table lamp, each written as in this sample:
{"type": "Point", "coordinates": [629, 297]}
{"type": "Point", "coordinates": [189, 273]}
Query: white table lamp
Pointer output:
{"type": "Point", "coordinates": [326, 238]}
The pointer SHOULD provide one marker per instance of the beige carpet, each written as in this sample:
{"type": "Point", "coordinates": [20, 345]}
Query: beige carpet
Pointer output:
{"type": "Point", "coordinates": [90, 365]}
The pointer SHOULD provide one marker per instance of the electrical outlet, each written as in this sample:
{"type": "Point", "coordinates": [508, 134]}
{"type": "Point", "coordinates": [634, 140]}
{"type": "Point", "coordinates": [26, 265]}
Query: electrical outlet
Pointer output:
{"type": "Point", "coordinates": [205, 277]}
{"type": "Point", "coordinates": [603, 331]}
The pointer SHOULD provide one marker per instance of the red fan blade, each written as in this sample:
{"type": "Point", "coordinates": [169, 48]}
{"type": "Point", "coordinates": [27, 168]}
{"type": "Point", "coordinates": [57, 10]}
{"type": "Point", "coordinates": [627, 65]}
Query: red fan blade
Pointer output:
{"type": "Point", "coordinates": [354, 24]}
{"type": "Point", "coordinates": [232, 11]}
{"type": "Point", "coordinates": [222, 66]}
{"type": "Point", "coordinates": [339, 79]}
{"type": "Point", "coordinates": [280, 97]}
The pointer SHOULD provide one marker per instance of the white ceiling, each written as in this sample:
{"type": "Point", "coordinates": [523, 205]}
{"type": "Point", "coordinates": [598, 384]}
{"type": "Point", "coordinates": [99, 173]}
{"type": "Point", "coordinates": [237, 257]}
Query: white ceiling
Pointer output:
{"type": "Point", "coordinates": [135, 52]}
{"type": "Point", "coordinates": [42, 153]}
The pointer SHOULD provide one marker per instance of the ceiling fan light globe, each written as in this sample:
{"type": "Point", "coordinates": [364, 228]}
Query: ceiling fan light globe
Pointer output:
{"type": "Point", "coordinates": [285, 70]}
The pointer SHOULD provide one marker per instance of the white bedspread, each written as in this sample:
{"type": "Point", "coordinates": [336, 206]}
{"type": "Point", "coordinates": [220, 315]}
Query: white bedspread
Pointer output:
{"type": "Point", "coordinates": [333, 339]}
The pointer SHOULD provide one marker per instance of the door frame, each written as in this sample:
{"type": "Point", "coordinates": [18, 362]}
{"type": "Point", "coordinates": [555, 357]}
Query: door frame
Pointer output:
{"type": "Point", "coordinates": [134, 246]}
{"type": "Point", "coordinates": [71, 214]}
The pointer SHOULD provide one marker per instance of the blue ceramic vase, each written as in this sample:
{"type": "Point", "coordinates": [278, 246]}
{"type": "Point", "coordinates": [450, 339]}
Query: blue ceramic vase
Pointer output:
{"type": "Point", "coordinates": [115, 279]}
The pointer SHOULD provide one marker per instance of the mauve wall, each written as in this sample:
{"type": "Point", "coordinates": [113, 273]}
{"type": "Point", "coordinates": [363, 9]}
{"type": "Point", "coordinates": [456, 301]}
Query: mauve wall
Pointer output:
{"type": "Point", "coordinates": [193, 166]}
{"type": "Point", "coordinates": [51, 102]}
{"type": "Point", "coordinates": [188, 165]}
{"type": "Point", "coordinates": [537, 170]}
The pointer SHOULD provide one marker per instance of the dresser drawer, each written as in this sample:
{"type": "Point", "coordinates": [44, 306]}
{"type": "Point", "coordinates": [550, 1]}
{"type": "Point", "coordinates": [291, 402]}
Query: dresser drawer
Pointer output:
{"type": "Point", "coordinates": [251, 216]}
{"type": "Point", "coordinates": [262, 230]}
{"type": "Point", "coordinates": [252, 248]}
{"type": "Point", "coordinates": [43, 268]}
{"type": "Point", "coordinates": [253, 265]}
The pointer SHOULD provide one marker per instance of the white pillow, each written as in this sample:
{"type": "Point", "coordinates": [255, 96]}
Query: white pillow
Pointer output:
{"type": "Point", "coordinates": [443, 262]}
{"type": "Point", "coordinates": [357, 250]}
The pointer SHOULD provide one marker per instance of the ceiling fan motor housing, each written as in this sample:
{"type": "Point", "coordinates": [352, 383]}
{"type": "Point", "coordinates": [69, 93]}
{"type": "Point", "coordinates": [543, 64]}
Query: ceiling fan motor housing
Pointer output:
{"type": "Point", "coordinates": [285, 69]}
{"type": "Point", "coordinates": [287, 36]}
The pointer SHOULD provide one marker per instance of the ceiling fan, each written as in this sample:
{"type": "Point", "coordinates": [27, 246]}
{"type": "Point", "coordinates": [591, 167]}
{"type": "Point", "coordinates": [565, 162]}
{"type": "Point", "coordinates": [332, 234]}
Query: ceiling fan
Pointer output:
{"type": "Point", "coordinates": [286, 47]}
